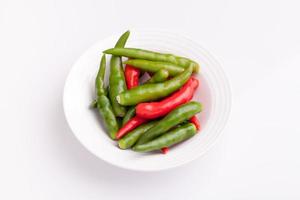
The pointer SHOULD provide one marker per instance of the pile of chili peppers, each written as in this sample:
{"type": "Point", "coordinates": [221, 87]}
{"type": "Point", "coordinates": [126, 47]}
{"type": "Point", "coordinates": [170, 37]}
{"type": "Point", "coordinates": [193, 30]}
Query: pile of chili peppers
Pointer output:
{"type": "Point", "coordinates": [156, 114]}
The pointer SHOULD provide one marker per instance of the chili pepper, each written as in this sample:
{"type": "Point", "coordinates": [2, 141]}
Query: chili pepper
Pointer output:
{"type": "Point", "coordinates": [168, 139]}
{"type": "Point", "coordinates": [154, 66]}
{"type": "Point", "coordinates": [129, 114]}
{"type": "Point", "coordinates": [103, 103]}
{"type": "Point", "coordinates": [153, 91]}
{"type": "Point", "coordinates": [159, 76]}
{"type": "Point", "coordinates": [130, 139]}
{"type": "Point", "coordinates": [109, 118]}
{"type": "Point", "coordinates": [130, 125]}
{"type": "Point", "coordinates": [117, 82]}
{"type": "Point", "coordinates": [94, 102]}
{"type": "Point", "coordinates": [154, 56]}
{"type": "Point", "coordinates": [132, 76]}
{"type": "Point", "coordinates": [175, 117]}
{"type": "Point", "coordinates": [165, 150]}
{"type": "Point", "coordinates": [196, 122]}
{"type": "Point", "coordinates": [154, 110]}
{"type": "Point", "coordinates": [99, 83]}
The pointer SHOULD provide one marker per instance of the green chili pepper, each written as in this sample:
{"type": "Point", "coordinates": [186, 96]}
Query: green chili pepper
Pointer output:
{"type": "Point", "coordinates": [153, 91]}
{"type": "Point", "coordinates": [154, 66]}
{"type": "Point", "coordinates": [94, 102]}
{"type": "Point", "coordinates": [130, 139]}
{"type": "Point", "coordinates": [117, 82]}
{"type": "Point", "coordinates": [168, 139]}
{"type": "Point", "coordinates": [155, 56]}
{"type": "Point", "coordinates": [109, 118]}
{"type": "Point", "coordinates": [159, 76]}
{"type": "Point", "coordinates": [129, 114]}
{"type": "Point", "coordinates": [100, 77]}
{"type": "Point", "coordinates": [103, 103]}
{"type": "Point", "coordinates": [175, 117]}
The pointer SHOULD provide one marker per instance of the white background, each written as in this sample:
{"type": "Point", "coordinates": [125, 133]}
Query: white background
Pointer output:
{"type": "Point", "coordinates": [257, 41]}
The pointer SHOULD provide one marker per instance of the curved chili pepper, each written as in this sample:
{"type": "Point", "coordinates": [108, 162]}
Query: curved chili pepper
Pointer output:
{"type": "Point", "coordinates": [103, 103]}
{"type": "Point", "coordinates": [132, 76]}
{"type": "Point", "coordinates": [130, 125]}
{"type": "Point", "coordinates": [117, 83]}
{"type": "Point", "coordinates": [154, 56]}
{"type": "Point", "coordinates": [196, 122]}
{"type": "Point", "coordinates": [158, 109]}
{"type": "Point", "coordinates": [168, 139]}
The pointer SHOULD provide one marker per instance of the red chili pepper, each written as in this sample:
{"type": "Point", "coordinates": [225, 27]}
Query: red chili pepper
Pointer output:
{"type": "Point", "coordinates": [132, 76]}
{"type": "Point", "coordinates": [196, 122]}
{"type": "Point", "coordinates": [165, 150]}
{"type": "Point", "coordinates": [154, 110]}
{"type": "Point", "coordinates": [130, 125]}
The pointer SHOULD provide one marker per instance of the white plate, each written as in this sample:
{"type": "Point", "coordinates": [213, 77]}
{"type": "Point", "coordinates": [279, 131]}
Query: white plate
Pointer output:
{"type": "Point", "coordinates": [213, 93]}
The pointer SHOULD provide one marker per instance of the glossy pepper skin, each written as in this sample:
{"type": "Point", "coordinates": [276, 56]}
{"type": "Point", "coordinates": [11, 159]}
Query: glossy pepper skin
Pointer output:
{"type": "Point", "coordinates": [130, 139]}
{"type": "Point", "coordinates": [100, 89]}
{"type": "Point", "coordinates": [103, 104]}
{"type": "Point", "coordinates": [129, 114]}
{"type": "Point", "coordinates": [159, 76]}
{"type": "Point", "coordinates": [132, 75]}
{"type": "Point", "coordinates": [117, 82]}
{"type": "Point", "coordinates": [196, 122]}
{"type": "Point", "coordinates": [165, 150]}
{"type": "Point", "coordinates": [154, 110]}
{"type": "Point", "coordinates": [154, 91]}
{"type": "Point", "coordinates": [154, 56]}
{"type": "Point", "coordinates": [130, 125]}
{"type": "Point", "coordinates": [154, 66]}
{"type": "Point", "coordinates": [175, 117]}
{"type": "Point", "coordinates": [168, 139]}
{"type": "Point", "coordinates": [109, 118]}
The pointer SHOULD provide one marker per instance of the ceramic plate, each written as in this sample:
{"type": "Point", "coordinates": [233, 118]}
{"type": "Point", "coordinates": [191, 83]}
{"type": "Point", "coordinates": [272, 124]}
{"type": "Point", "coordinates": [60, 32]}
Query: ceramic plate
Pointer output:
{"type": "Point", "coordinates": [213, 93]}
